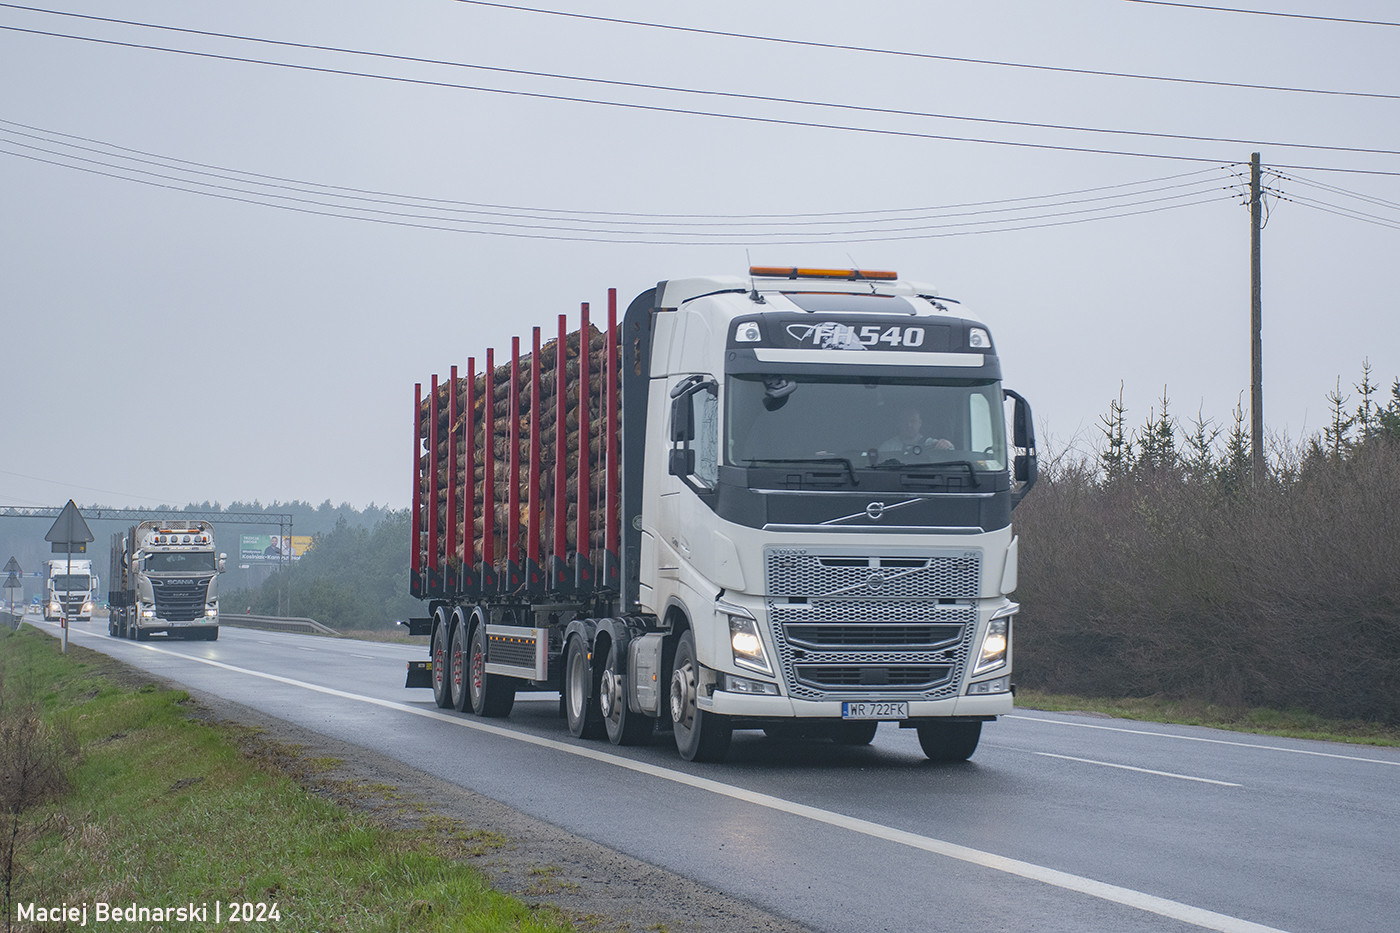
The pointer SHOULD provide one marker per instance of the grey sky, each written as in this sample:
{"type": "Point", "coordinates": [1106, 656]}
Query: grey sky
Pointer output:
{"type": "Point", "coordinates": [165, 346]}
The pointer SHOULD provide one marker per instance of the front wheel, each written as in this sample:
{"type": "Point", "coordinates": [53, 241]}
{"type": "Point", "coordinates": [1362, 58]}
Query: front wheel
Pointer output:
{"type": "Point", "coordinates": [624, 726]}
{"type": "Point", "coordinates": [949, 741]}
{"type": "Point", "coordinates": [492, 695]}
{"type": "Point", "coordinates": [580, 702]}
{"type": "Point", "coordinates": [700, 736]}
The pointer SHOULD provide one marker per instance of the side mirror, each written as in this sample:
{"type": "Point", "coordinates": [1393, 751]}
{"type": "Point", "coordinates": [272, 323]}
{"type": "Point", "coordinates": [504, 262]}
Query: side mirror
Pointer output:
{"type": "Point", "coordinates": [682, 462]}
{"type": "Point", "coordinates": [682, 420]}
{"type": "Point", "coordinates": [1025, 467]}
{"type": "Point", "coordinates": [223, 558]}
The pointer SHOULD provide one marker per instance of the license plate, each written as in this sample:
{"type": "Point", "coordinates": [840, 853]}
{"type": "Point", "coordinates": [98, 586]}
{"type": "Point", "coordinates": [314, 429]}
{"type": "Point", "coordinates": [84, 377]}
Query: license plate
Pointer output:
{"type": "Point", "coordinates": [874, 710]}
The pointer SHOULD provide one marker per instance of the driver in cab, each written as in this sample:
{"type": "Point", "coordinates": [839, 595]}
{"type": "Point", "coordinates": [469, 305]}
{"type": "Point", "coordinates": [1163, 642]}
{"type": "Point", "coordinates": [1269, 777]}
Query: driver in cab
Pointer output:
{"type": "Point", "coordinates": [911, 441]}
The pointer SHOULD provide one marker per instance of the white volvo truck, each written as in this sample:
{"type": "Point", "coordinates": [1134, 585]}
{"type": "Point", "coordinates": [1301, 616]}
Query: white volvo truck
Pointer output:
{"type": "Point", "coordinates": [786, 506]}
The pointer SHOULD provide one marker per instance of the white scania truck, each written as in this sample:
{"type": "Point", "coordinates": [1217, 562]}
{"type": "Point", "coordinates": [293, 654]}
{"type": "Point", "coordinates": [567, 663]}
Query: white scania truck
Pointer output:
{"type": "Point", "coordinates": [779, 501]}
{"type": "Point", "coordinates": [69, 589]}
{"type": "Point", "coordinates": [164, 578]}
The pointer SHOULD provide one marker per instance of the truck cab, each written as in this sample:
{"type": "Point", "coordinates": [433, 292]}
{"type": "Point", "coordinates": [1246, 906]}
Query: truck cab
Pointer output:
{"type": "Point", "coordinates": [831, 531]}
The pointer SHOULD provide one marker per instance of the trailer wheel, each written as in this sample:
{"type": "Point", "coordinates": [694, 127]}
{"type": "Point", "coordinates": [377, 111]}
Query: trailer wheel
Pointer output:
{"type": "Point", "coordinates": [492, 695]}
{"type": "Point", "coordinates": [442, 690]}
{"type": "Point", "coordinates": [700, 736]}
{"type": "Point", "coordinates": [949, 741]}
{"type": "Point", "coordinates": [624, 727]}
{"type": "Point", "coordinates": [580, 701]}
{"type": "Point", "coordinates": [457, 666]}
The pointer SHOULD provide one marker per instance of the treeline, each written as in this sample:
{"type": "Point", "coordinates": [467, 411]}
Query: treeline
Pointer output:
{"type": "Point", "coordinates": [353, 577]}
{"type": "Point", "coordinates": [1156, 565]}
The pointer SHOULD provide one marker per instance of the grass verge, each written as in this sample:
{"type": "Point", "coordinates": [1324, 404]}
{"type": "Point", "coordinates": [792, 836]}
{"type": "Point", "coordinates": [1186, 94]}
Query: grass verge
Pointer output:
{"type": "Point", "coordinates": [1296, 724]}
{"type": "Point", "coordinates": [169, 810]}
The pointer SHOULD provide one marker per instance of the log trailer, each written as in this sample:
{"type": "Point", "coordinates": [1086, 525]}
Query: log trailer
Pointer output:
{"type": "Point", "coordinates": [164, 578]}
{"type": "Point", "coordinates": [779, 501]}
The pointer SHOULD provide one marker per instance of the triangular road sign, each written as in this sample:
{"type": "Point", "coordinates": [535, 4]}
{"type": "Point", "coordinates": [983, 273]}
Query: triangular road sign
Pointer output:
{"type": "Point", "coordinates": [69, 527]}
{"type": "Point", "coordinates": [13, 583]}
{"type": "Point", "coordinates": [12, 567]}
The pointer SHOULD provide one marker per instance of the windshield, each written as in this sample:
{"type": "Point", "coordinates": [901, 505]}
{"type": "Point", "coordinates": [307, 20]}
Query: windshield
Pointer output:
{"type": "Point", "coordinates": [869, 421]}
{"type": "Point", "coordinates": [65, 581]}
{"type": "Point", "coordinates": [180, 562]}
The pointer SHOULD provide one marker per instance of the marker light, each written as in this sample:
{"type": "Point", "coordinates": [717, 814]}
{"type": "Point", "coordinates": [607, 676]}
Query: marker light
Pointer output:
{"type": "Point", "coordinates": [794, 272]}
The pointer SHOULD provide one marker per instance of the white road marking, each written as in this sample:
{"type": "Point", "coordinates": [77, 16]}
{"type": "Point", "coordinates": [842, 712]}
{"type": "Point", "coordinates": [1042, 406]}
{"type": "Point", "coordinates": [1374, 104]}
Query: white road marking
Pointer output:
{"type": "Point", "coordinates": [1109, 764]}
{"type": "Point", "coordinates": [1175, 910]}
{"type": "Point", "coordinates": [1199, 738]}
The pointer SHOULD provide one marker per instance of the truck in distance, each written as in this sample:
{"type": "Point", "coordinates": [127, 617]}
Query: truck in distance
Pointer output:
{"type": "Point", "coordinates": [69, 589]}
{"type": "Point", "coordinates": [164, 578]}
{"type": "Point", "coordinates": [779, 501]}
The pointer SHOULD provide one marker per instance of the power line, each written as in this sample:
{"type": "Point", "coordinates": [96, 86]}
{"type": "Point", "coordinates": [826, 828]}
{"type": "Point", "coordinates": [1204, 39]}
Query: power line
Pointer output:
{"type": "Point", "coordinates": [1226, 9]}
{"type": "Point", "coordinates": [808, 221]}
{"type": "Point", "coordinates": [703, 92]}
{"type": "Point", "coordinates": [750, 118]}
{"type": "Point", "coordinates": [259, 178]}
{"type": "Point", "coordinates": [923, 55]}
{"type": "Point", "coordinates": [555, 232]}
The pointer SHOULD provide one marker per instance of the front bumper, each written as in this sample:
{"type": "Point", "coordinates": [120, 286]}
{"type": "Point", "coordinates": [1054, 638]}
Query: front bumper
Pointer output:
{"type": "Point", "coordinates": [744, 706]}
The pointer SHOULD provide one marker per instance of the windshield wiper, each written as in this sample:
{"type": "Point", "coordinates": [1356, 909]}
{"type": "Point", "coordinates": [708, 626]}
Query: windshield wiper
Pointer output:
{"type": "Point", "coordinates": [840, 461]}
{"type": "Point", "coordinates": [900, 465]}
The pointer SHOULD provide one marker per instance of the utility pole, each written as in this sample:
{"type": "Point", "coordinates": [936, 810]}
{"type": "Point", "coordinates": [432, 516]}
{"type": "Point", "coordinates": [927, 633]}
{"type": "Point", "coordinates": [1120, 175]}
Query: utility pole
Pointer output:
{"type": "Point", "coordinates": [1256, 315]}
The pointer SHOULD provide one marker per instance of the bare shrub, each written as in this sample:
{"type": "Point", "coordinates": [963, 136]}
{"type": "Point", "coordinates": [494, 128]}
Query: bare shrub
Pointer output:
{"type": "Point", "coordinates": [37, 758]}
{"type": "Point", "coordinates": [1190, 585]}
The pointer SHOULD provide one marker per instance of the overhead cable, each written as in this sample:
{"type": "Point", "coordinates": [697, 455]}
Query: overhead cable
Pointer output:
{"type": "Point", "coordinates": [757, 98]}
{"type": "Point", "coordinates": [1277, 13]}
{"type": "Point", "coordinates": [920, 55]}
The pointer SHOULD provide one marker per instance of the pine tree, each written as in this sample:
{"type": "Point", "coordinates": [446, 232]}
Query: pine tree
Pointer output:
{"type": "Point", "coordinates": [1117, 457]}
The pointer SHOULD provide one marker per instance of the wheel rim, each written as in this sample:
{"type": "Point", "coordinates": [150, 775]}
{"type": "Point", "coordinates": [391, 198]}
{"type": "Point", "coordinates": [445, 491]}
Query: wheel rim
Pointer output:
{"type": "Point", "coordinates": [578, 676]}
{"type": "Point", "coordinates": [606, 697]}
{"type": "Point", "coordinates": [457, 668]}
{"type": "Point", "coordinates": [683, 695]}
{"type": "Point", "coordinates": [478, 680]}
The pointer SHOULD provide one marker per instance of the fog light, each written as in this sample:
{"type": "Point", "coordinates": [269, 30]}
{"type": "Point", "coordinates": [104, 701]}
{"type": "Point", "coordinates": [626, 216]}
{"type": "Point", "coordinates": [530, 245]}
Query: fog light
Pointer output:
{"type": "Point", "coordinates": [999, 685]}
{"type": "Point", "coordinates": [734, 684]}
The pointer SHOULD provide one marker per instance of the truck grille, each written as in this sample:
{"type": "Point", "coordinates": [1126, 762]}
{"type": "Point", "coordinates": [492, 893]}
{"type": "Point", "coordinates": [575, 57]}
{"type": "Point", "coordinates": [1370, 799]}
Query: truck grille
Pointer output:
{"type": "Point", "coordinates": [179, 602]}
{"type": "Point", "coordinates": [889, 625]}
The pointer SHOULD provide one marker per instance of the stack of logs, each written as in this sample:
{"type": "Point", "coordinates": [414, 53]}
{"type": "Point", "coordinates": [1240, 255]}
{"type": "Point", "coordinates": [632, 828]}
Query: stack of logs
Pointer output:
{"type": "Point", "coordinates": [467, 496]}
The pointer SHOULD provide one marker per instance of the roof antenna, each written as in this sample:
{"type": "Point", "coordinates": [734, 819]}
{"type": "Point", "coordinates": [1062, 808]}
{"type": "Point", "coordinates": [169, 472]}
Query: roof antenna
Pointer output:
{"type": "Point", "coordinates": [754, 296]}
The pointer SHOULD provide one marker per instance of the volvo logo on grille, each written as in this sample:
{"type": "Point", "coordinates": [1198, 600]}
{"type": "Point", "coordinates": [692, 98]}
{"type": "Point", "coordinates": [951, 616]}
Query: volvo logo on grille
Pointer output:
{"type": "Point", "coordinates": [875, 510]}
{"type": "Point", "coordinates": [875, 580]}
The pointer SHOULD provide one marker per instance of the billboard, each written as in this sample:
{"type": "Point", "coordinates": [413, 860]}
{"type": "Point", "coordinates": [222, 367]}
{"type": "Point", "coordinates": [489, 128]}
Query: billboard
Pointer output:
{"type": "Point", "coordinates": [272, 547]}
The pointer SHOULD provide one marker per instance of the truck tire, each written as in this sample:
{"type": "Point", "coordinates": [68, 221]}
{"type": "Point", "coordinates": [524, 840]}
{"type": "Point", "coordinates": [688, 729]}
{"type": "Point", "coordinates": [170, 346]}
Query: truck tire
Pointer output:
{"type": "Point", "coordinates": [492, 695]}
{"type": "Point", "coordinates": [624, 727]}
{"type": "Point", "coordinates": [949, 741]}
{"type": "Point", "coordinates": [580, 699]}
{"type": "Point", "coordinates": [457, 666]}
{"type": "Point", "coordinates": [700, 736]}
{"type": "Point", "coordinates": [442, 690]}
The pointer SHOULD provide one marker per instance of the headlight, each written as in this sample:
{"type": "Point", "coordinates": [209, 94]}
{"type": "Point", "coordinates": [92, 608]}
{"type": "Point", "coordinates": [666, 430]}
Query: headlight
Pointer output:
{"type": "Point", "coordinates": [55, 607]}
{"type": "Point", "coordinates": [995, 643]}
{"type": "Point", "coordinates": [148, 613]}
{"type": "Point", "coordinates": [212, 612]}
{"type": "Point", "coordinates": [87, 607]}
{"type": "Point", "coordinates": [744, 639]}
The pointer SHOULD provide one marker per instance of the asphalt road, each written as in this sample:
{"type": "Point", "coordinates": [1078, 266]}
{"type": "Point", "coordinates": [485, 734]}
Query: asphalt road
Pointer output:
{"type": "Point", "coordinates": [1059, 823]}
